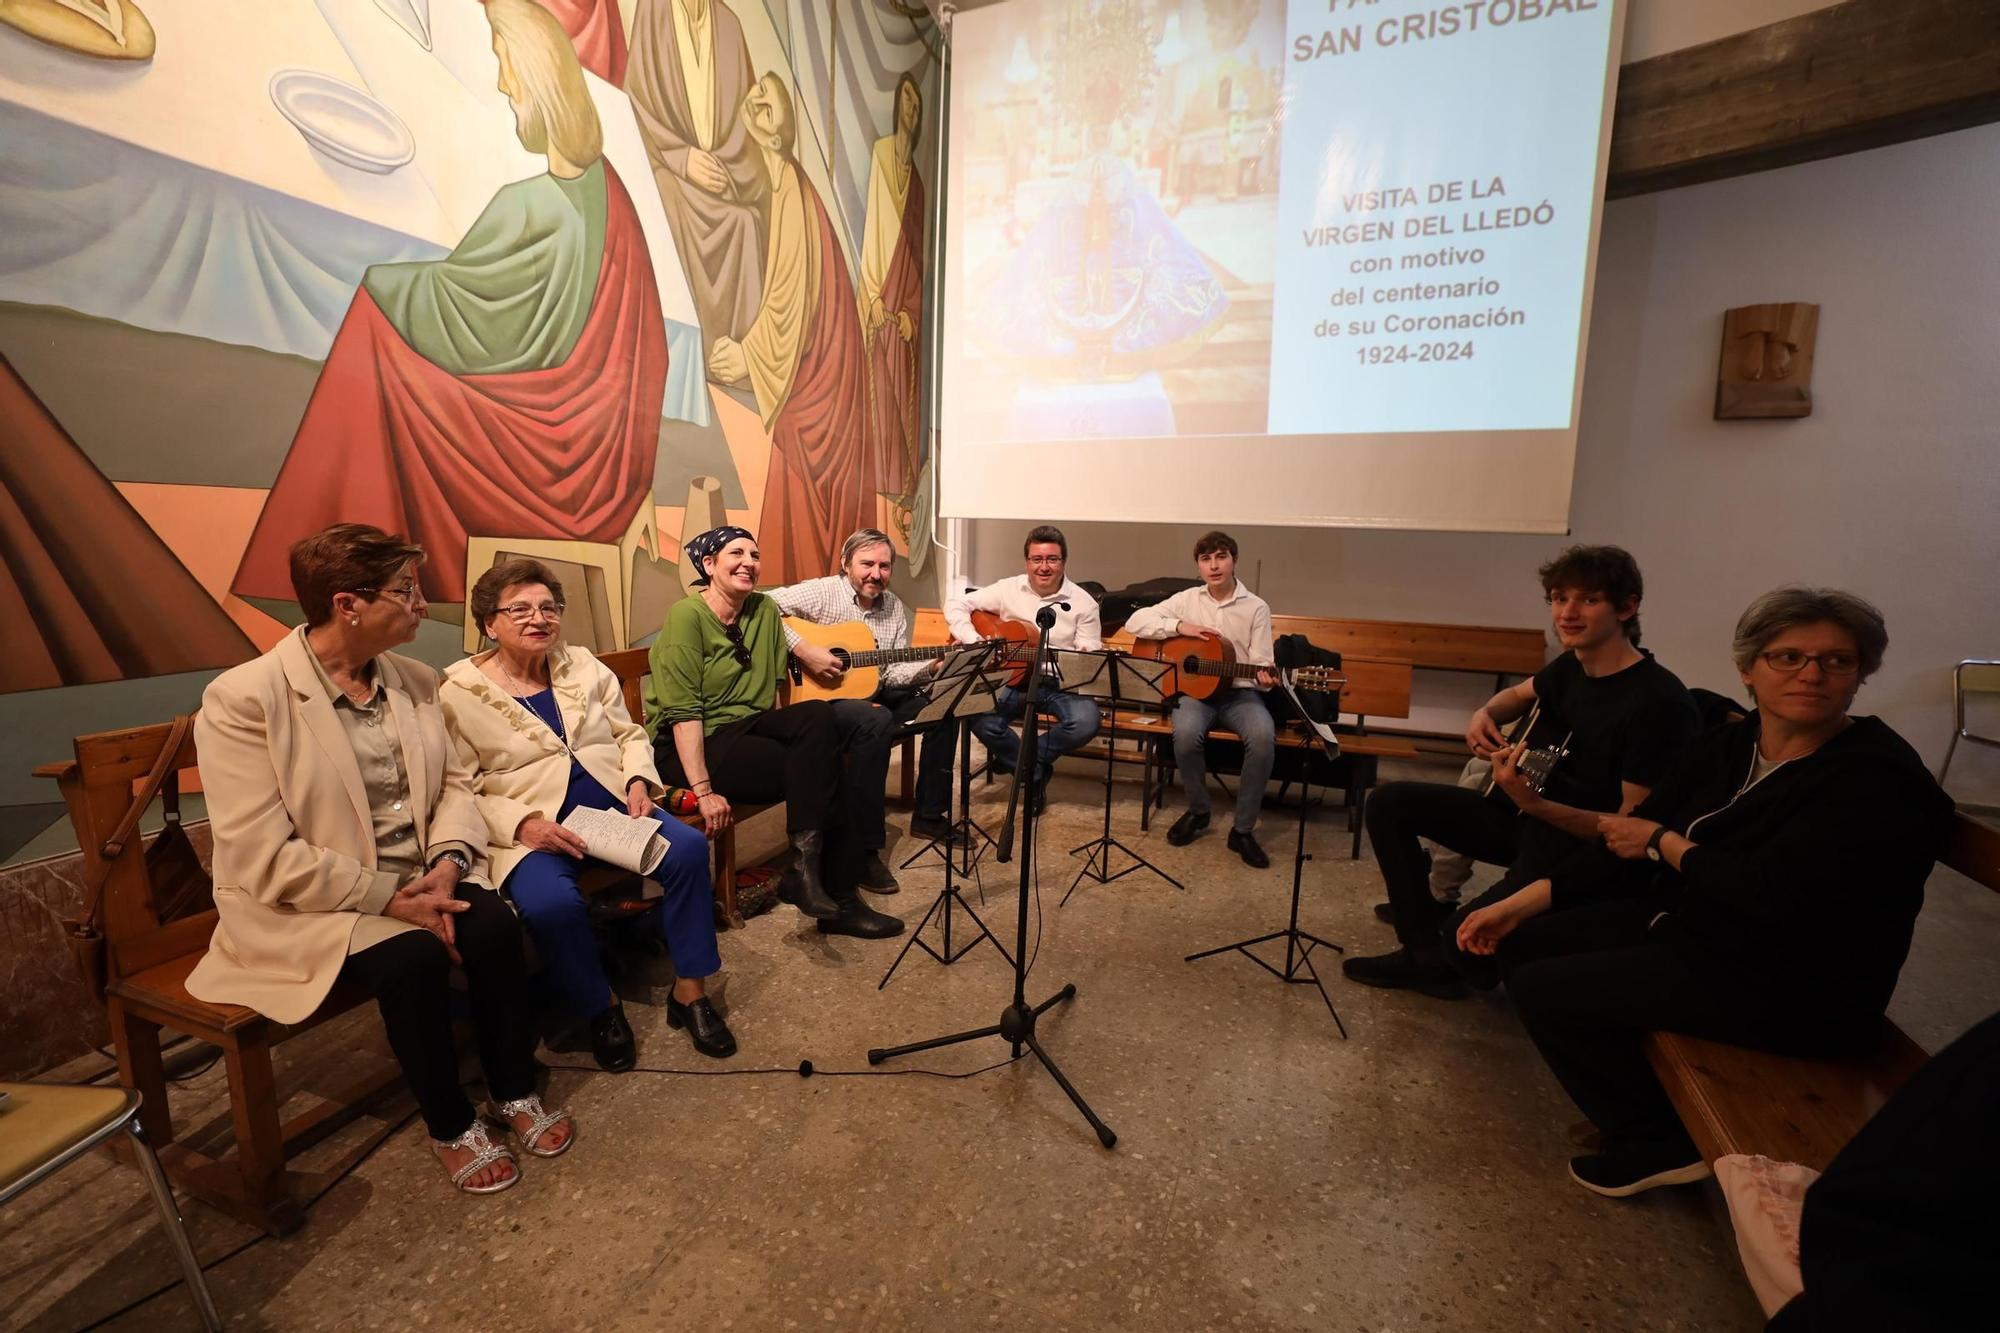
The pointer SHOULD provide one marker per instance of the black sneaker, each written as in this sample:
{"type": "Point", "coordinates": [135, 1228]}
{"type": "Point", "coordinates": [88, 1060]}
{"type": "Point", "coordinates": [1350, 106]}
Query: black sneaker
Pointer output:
{"type": "Point", "coordinates": [1635, 1168]}
{"type": "Point", "coordinates": [1403, 970]}
{"type": "Point", "coordinates": [1245, 846]}
{"type": "Point", "coordinates": [1187, 828]}
{"type": "Point", "coordinates": [875, 875]}
{"type": "Point", "coordinates": [1038, 798]}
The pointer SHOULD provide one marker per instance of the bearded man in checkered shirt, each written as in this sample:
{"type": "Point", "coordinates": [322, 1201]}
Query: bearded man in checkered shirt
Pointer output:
{"type": "Point", "coordinates": [869, 727]}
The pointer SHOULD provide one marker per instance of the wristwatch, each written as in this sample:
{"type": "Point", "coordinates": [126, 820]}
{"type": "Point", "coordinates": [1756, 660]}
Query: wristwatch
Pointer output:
{"type": "Point", "coordinates": [456, 857]}
{"type": "Point", "coordinates": [1653, 843]}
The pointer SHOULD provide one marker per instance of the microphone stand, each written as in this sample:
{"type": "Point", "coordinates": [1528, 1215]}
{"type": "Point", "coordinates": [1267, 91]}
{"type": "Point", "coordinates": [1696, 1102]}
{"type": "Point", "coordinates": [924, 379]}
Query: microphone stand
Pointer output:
{"type": "Point", "coordinates": [1299, 944]}
{"type": "Point", "coordinates": [1017, 1020]}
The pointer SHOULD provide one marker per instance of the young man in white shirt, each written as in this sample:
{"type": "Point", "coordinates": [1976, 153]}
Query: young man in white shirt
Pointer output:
{"type": "Point", "coordinates": [1046, 554]}
{"type": "Point", "coordinates": [1221, 609]}
{"type": "Point", "coordinates": [869, 727]}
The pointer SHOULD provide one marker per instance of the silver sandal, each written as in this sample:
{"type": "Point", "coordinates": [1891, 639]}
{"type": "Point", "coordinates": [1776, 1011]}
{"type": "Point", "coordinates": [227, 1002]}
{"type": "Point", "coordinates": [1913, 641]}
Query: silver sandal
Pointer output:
{"type": "Point", "coordinates": [543, 1121]}
{"type": "Point", "coordinates": [485, 1152]}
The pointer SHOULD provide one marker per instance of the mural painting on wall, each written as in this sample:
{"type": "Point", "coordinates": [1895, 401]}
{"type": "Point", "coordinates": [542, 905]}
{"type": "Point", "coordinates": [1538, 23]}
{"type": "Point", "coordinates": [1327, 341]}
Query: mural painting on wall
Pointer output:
{"type": "Point", "coordinates": [570, 278]}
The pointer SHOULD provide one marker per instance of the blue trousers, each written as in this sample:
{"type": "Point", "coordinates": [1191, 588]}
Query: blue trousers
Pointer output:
{"type": "Point", "coordinates": [1243, 712]}
{"type": "Point", "coordinates": [1077, 721]}
{"type": "Point", "coordinates": [543, 887]}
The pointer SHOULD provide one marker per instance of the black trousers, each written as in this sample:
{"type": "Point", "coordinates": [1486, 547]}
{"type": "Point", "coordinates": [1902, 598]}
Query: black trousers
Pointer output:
{"type": "Point", "coordinates": [1592, 981]}
{"type": "Point", "coordinates": [868, 730]}
{"type": "Point", "coordinates": [409, 976]}
{"type": "Point", "coordinates": [1485, 828]}
{"type": "Point", "coordinates": [784, 754]}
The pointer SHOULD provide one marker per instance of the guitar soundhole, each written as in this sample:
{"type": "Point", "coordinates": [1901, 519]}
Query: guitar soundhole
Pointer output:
{"type": "Point", "coordinates": [840, 655]}
{"type": "Point", "coordinates": [1190, 663]}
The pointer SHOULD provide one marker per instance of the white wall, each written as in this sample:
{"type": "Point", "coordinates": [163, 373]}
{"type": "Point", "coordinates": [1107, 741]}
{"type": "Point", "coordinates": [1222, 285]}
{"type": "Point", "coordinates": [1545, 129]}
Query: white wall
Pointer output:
{"type": "Point", "coordinates": [1654, 27]}
{"type": "Point", "coordinates": [1891, 488]}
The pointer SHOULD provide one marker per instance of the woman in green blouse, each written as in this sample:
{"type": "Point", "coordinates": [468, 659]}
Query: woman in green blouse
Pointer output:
{"type": "Point", "coordinates": [711, 706]}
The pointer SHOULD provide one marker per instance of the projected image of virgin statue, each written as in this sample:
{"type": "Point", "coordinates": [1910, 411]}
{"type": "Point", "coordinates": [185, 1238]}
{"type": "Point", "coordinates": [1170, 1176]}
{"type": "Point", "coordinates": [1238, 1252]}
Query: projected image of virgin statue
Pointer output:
{"type": "Point", "coordinates": [1121, 197]}
{"type": "Point", "coordinates": [1104, 287]}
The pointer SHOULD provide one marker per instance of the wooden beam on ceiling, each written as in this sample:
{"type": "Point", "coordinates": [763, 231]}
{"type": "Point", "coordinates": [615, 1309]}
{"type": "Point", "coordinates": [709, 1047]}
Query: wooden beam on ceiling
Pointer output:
{"type": "Point", "coordinates": [1839, 80]}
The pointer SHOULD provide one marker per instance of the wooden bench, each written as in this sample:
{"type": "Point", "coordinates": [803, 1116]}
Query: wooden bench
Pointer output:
{"type": "Point", "coordinates": [147, 965]}
{"type": "Point", "coordinates": [1478, 649]}
{"type": "Point", "coordinates": [1736, 1100]}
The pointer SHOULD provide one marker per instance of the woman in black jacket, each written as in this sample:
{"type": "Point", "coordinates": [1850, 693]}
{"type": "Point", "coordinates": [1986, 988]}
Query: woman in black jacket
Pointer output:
{"type": "Point", "coordinates": [1763, 894]}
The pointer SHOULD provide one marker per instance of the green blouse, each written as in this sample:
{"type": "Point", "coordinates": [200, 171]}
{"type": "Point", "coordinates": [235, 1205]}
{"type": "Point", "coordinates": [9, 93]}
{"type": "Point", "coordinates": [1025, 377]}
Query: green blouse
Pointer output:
{"type": "Point", "coordinates": [695, 674]}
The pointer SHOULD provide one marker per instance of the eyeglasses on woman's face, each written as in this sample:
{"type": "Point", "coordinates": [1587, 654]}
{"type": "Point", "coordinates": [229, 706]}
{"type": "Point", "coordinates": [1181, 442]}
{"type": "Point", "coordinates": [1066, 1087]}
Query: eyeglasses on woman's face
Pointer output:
{"type": "Point", "coordinates": [1790, 661]}
{"type": "Point", "coordinates": [407, 593]}
{"type": "Point", "coordinates": [523, 612]}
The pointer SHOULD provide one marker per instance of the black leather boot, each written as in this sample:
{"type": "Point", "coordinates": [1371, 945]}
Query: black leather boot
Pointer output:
{"type": "Point", "coordinates": [858, 919]}
{"type": "Point", "coordinates": [803, 885]}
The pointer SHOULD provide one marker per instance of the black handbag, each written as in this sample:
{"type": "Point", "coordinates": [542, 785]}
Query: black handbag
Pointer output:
{"type": "Point", "coordinates": [178, 885]}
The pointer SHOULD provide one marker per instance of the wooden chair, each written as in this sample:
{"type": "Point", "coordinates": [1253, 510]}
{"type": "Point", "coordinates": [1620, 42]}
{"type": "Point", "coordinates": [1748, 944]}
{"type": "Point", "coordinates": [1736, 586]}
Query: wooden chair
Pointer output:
{"type": "Point", "coordinates": [147, 965]}
{"type": "Point", "coordinates": [1736, 1100]}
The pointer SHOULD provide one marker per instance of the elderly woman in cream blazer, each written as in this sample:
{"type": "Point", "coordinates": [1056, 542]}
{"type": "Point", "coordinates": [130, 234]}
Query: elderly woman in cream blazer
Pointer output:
{"type": "Point", "coordinates": [348, 847]}
{"type": "Point", "coordinates": [544, 728]}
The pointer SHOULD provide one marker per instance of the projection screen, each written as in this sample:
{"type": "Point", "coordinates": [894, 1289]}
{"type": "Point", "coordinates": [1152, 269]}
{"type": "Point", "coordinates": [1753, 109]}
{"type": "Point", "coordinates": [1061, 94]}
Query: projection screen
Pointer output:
{"type": "Point", "coordinates": [1320, 263]}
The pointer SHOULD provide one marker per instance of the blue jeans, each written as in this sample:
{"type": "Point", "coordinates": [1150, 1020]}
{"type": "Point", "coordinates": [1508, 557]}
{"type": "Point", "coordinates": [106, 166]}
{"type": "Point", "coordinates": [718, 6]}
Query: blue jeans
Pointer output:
{"type": "Point", "coordinates": [1243, 712]}
{"type": "Point", "coordinates": [1076, 722]}
{"type": "Point", "coordinates": [543, 887]}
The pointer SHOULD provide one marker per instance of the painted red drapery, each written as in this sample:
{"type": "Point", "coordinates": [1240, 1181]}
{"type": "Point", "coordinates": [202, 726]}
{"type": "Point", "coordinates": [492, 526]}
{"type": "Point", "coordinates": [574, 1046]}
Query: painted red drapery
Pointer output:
{"type": "Point", "coordinates": [88, 592]}
{"type": "Point", "coordinates": [597, 33]}
{"type": "Point", "coordinates": [818, 488]}
{"type": "Point", "coordinates": [892, 363]}
{"type": "Point", "coordinates": [389, 438]}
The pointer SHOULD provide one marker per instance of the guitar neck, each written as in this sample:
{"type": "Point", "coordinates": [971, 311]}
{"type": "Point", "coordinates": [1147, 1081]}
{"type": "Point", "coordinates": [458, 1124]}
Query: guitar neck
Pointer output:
{"type": "Point", "coordinates": [1227, 670]}
{"type": "Point", "coordinates": [891, 656]}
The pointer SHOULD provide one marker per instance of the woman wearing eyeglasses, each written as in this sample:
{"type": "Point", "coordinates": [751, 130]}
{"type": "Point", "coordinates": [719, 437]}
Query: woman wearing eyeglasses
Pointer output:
{"type": "Point", "coordinates": [1763, 894]}
{"type": "Point", "coordinates": [348, 847]}
{"type": "Point", "coordinates": [543, 726]}
{"type": "Point", "coordinates": [710, 702]}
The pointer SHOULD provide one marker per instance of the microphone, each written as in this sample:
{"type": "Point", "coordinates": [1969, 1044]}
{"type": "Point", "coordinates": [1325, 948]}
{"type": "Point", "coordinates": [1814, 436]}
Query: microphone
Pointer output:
{"type": "Point", "coordinates": [1046, 617]}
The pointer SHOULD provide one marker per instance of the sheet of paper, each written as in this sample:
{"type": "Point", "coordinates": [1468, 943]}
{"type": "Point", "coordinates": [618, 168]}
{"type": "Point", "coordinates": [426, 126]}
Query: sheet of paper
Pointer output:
{"type": "Point", "coordinates": [632, 844]}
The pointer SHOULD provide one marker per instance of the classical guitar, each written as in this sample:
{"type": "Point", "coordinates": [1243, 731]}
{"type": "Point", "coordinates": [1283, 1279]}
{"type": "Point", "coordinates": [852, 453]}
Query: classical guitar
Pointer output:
{"type": "Point", "coordinates": [854, 644]}
{"type": "Point", "coordinates": [1202, 664]}
{"type": "Point", "coordinates": [1537, 762]}
{"type": "Point", "coordinates": [1018, 633]}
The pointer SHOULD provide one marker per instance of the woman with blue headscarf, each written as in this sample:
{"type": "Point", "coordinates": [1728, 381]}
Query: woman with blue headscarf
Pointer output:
{"type": "Point", "coordinates": [710, 705]}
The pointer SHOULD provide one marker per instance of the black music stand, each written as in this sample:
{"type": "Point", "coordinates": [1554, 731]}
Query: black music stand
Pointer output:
{"type": "Point", "coordinates": [1017, 1020]}
{"type": "Point", "coordinates": [1299, 944]}
{"type": "Point", "coordinates": [959, 838]}
{"type": "Point", "coordinates": [960, 690]}
{"type": "Point", "coordinates": [1112, 677]}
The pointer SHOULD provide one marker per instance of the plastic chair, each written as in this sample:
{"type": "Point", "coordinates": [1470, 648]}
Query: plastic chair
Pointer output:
{"type": "Point", "coordinates": [1975, 675]}
{"type": "Point", "coordinates": [46, 1126]}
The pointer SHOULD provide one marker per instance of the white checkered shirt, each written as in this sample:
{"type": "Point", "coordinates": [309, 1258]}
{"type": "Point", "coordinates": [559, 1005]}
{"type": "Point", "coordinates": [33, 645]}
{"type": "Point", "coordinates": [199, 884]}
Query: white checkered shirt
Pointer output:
{"type": "Point", "coordinates": [831, 600]}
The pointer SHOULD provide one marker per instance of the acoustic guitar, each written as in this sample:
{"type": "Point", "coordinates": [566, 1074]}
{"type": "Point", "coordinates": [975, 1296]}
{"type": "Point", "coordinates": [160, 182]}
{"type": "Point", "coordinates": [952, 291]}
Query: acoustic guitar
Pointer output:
{"type": "Point", "coordinates": [854, 644]}
{"type": "Point", "coordinates": [1537, 762]}
{"type": "Point", "coordinates": [1202, 664]}
{"type": "Point", "coordinates": [1019, 634]}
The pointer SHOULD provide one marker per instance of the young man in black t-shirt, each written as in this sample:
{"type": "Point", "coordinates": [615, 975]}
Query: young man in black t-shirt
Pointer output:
{"type": "Point", "coordinates": [1620, 714]}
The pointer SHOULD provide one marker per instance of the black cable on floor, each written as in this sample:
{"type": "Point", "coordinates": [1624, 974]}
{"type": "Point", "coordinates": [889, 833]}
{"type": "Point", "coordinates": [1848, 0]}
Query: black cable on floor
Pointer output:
{"type": "Point", "coordinates": [803, 1069]}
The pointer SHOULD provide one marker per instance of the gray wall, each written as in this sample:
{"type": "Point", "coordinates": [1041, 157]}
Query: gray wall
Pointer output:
{"type": "Point", "coordinates": [1891, 488]}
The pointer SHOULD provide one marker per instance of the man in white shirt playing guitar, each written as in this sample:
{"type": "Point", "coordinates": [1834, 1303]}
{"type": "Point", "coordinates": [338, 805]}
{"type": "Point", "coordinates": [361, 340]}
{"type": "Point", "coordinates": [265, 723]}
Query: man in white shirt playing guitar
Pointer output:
{"type": "Point", "coordinates": [1016, 600]}
{"type": "Point", "coordinates": [1224, 609]}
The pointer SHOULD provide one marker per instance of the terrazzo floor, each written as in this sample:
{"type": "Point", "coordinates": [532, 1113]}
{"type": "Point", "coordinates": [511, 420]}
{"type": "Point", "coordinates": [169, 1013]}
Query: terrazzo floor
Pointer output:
{"type": "Point", "coordinates": [1268, 1174]}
